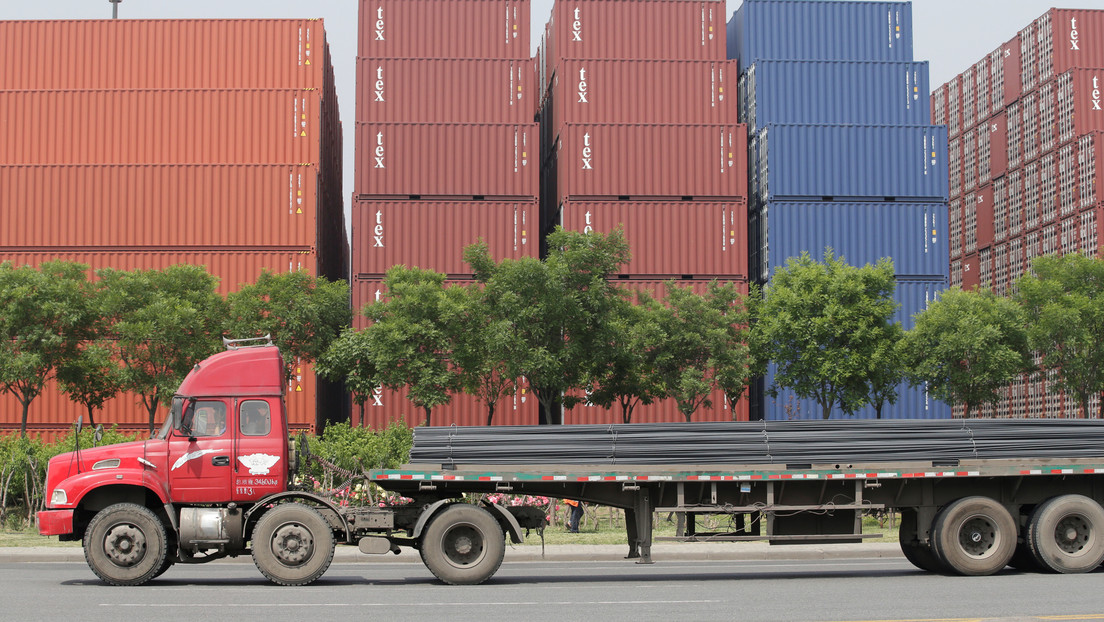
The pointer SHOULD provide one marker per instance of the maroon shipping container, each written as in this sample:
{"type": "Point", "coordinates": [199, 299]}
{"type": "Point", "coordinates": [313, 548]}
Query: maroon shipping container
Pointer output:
{"type": "Point", "coordinates": [663, 411]}
{"type": "Point", "coordinates": [433, 234]}
{"type": "Point", "coordinates": [631, 29]}
{"type": "Point", "coordinates": [968, 98]}
{"type": "Point", "coordinates": [162, 54]}
{"type": "Point", "coordinates": [160, 127]}
{"type": "Point", "coordinates": [954, 107]}
{"type": "Point", "coordinates": [641, 161]}
{"type": "Point", "coordinates": [984, 210]}
{"type": "Point", "coordinates": [971, 272]}
{"type": "Point", "coordinates": [158, 206]}
{"type": "Point", "coordinates": [386, 406]}
{"type": "Point", "coordinates": [445, 91]}
{"type": "Point", "coordinates": [670, 239]}
{"type": "Point", "coordinates": [1090, 166]}
{"type": "Point", "coordinates": [1011, 80]}
{"type": "Point", "coordinates": [998, 144]}
{"type": "Point", "coordinates": [444, 29]}
{"type": "Point", "coordinates": [644, 92]}
{"type": "Point", "coordinates": [1080, 102]}
{"type": "Point", "coordinates": [1068, 39]}
{"type": "Point", "coordinates": [424, 159]}
{"type": "Point", "coordinates": [956, 167]}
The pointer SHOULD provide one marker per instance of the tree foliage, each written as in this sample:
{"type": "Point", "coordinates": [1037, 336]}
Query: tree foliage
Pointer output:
{"type": "Point", "coordinates": [482, 349]}
{"type": "Point", "coordinates": [348, 360]}
{"type": "Point", "coordinates": [967, 346]}
{"type": "Point", "coordinates": [824, 324]}
{"type": "Point", "coordinates": [1064, 303]}
{"type": "Point", "coordinates": [626, 369]}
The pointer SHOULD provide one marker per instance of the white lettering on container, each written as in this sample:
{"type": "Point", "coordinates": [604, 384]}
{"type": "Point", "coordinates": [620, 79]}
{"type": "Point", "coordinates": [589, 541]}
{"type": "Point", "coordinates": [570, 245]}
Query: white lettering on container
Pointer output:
{"type": "Point", "coordinates": [588, 153]}
{"type": "Point", "coordinates": [379, 151]}
{"type": "Point", "coordinates": [379, 24]}
{"type": "Point", "coordinates": [377, 397]}
{"type": "Point", "coordinates": [377, 231]}
{"type": "Point", "coordinates": [379, 83]}
{"type": "Point", "coordinates": [589, 225]}
{"type": "Point", "coordinates": [577, 26]}
{"type": "Point", "coordinates": [582, 86]}
{"type": "Point", "coordinates": [1075, 37]}
{"type": "Point", "coordinates": [1096, 93]}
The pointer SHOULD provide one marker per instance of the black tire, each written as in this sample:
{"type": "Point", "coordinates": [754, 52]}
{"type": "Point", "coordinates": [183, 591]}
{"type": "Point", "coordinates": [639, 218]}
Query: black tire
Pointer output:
{"type": "Point", "coordinates": [974, 536]}
{"type": "Point", "coordinates": [125, 544]}
{"type": "Point", "coordinates": [463, 545]}
{"type": "Point", "coordinates": [168, 563]}
{"type": "Point", "coordinates": [293, 544]}
{"type": "Point", "coordinates": [918, 553]}
{"type": "Point", "coordinates": [1065, 534]}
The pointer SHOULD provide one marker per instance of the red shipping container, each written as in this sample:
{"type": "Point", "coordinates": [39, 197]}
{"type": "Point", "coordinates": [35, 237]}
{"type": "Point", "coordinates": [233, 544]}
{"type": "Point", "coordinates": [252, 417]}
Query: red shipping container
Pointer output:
{"type": "Point", "coordinates": [1011, 80]}
{"type": "Point", "coordinates": [444, 29]}
{"type": "Point", "coordinates": [433, 234]}
{"type": "Point", "coordinates": [971, 272]}
{"type": "Point", "coordinates": [158, 206]}
{"type": "Point", "coordinates": [162, 54]}
{"type": "Point", "coordinates": [1080, 102]}
{"type": "Point", "coordinates": [1090, 168]}
{"type": "Point", "coordinates": [160, 127]}
{"type": "Point", "coordinates": [939, 105]}
{"type": "Point", "coordinates": [630, 29]}
{"type": "Point", "coordinates": [984, 199]}
{"type": "Point", "coordinates": [644, 92]}
{"type": "Point", "coordinates": [969, 97]}
{"type": "Point", "coordinates": [641, 161]}
{"type": "Point", "coordinates": [998, 144]}
{"type": "Point", "coordinates": [675, 239]}
{"type": "Point", "coordinates": [445, 91]}
{"type": "Point", "coordinates": [955, 124]}
{"type": "Point", "coordinates": [1068, 39]}
{"type": "Point", "coordinates": [422, 159]}
{"type": "Point", "coordinates": [386, 406]}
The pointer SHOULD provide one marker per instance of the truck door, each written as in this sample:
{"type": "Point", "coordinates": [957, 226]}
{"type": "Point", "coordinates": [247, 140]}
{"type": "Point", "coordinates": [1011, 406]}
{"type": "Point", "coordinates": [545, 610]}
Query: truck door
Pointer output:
{"type": "Point", "coordinates": [260, 466]}
{"type": "Point", "coordinates": [201, 453]}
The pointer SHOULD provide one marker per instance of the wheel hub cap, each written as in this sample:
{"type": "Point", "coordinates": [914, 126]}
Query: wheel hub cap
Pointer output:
{"type": "Point", "coordinates": [463, 545]}
{"type": "Point", "coordinates": [978, 537]}
{"type": "Point", "coordinates": [292, 544]}
{"type": "Point", "coordinates": [125, 545]}
{"type": "Point", "coordinates": [1072, 534]}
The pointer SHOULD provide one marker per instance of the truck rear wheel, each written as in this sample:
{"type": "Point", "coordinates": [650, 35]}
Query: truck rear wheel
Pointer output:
{"type": "Point", "coordinates": [125, 544]}
{"type": "Point", "coordinates": [463, 545]}
{"type": "Point", "coordinates": [918, 554]}
{"type": "Point", "coordinates": [1065, 534]}
{"type": "Point", "coordinates": [974, 536]}
{"type": "Point", "coordinates": [293, 544]}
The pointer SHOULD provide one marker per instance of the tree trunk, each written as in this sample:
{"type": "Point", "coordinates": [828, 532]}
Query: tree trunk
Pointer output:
{"type": "Point", "coordinates": [966, 410]}
{"type": "Point", "coordinates": [878, 410]}
{"type": "Point", "coordinates": [26, 411]}
{"type": "Point", "coordinates": [490, 412]}
{"type": "Point", "coordinates": [428, 421]}
{"type": "Point", "coordinates": [826, 411]}
{"type": "Point", "coordinates": [91, 421]}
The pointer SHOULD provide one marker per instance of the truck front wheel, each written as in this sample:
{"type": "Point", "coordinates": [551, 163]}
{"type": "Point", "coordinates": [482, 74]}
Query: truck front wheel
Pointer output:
{"type": "Point", "coordinates": [463, 545]}
{"type": "Point", "coordinates": [125, 544]}
{"type": "Point", "coordinates": [293, 544]}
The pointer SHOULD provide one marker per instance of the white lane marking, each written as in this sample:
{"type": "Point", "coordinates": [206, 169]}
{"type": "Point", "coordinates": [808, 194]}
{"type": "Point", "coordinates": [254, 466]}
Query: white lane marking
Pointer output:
{"type": "Point", "coordinates": [442, 604]}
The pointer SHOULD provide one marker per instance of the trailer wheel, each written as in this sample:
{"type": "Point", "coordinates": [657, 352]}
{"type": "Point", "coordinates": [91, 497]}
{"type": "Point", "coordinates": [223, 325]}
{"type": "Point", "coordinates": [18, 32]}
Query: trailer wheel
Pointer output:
{"type": "Point", "coordinates": [974, 536]}
{"type": "Point", "coordinates": [463, 545]}
{"type": "Point", "coordinates": [1065, 534]}
{"type": "Point", "coordinates": [918, 554]}
{"type": "Point", "coordinates": [293, 544]}
{"type": "Point", "coordinates": [125, 544]}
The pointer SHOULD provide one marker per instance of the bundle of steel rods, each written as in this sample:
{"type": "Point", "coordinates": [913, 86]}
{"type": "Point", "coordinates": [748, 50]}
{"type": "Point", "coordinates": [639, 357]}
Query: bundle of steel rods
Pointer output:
{"type": "Point", "coordinates": [773, 442]}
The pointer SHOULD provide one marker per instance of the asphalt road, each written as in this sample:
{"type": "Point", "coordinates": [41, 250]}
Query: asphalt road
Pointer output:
{"type": "Point", "coordinates": [868, 589]}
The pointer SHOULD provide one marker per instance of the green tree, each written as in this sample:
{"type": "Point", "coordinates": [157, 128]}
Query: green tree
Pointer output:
{"type": "Point", "coordinates": [967, 346]}
{"type": "Point", "coordinates": [348, 361]}
{"type": "Point", "coordinates": [695, 326]}
{"type": "Point", "coordinates": [163, 323]}
{"type": "Point", "coordinates": [91, 377]}
{"type": "Point", "coordinates": [303, 314]}
{"type": "Point", "coordinates": [626, 371]}
{"type": "Point", "coordinates": [1065, 306]}
{"type": "Point", "coordinates": [482, 349]}
{"type": "Point", "coordinates": [730, 356]}
{"type": "Point", "coordinates": [44, 316]}
{"type": "Point", "coordinates": [823, 325]}
{"type": "Point", "coordinates": [411, 334]}
{"type": "Point", "coordinates": [557, 311]}
{"type": "Point", "coordinates": [885, 370]}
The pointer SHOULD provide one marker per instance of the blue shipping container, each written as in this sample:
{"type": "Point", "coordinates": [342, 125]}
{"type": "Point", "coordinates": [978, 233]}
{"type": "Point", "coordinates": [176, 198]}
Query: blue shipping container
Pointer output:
{"type": "Point", "coordinates": [865, 93]}
{"type": "Point", "coordinates": [912, 403]}
{"type": "Point", "coordinates": [913, 235]}
{"type": "Point", "coordinates": [820, 30]}
{"type": "Point", "coordinates": [790, 162]}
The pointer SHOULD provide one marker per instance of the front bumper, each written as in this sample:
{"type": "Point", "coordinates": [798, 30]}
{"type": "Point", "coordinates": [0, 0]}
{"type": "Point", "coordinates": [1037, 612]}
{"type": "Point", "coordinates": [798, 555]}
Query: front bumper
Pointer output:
{"type": "Point", "coordinates": [55, 522]}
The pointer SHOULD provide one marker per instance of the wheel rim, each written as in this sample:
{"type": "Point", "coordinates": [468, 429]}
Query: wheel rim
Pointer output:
{"type": "Point", "coordinates": [978, 537]}
{"type": "Point", "coordinates": [1073, 534]}
{"type": "Point", "coordinates": [463, 545]}
{"type": "Point", "coordinates": [125, 545]}
{"type": "Point", "coordinates": [292, 544]}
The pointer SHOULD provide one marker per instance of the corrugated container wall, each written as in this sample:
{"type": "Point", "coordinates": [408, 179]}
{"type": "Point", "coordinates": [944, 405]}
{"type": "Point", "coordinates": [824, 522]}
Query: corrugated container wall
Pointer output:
{"type": "Point", "coordinates": [427, 159]}
{"type": "Point", "coordinates": [445, 91]}
{"type": "Point", "coordinates": [471, 29]}
{"type": "Point", "coordinates": [815, 92]}
{"type": "Point", "coordinates": [632, 29]}
{"type": "Point", "coordinates": [1069, 39]}
{"type": "Point", "coordinates": [162, 54]}
{"type": "Point", "coordinates": [159, 205]}
{"type": "Point", "coordinates": [829, 30]}
{"type": "Point", "coordinates": [604, 160]}
{"type": "Point", "coordinates": [433, 234]}
{"type": "Point", "coordinates": [688, 238]}
{"type": "Point", "coordinates": [801, 162]}
{"type": "Point", "coordinates": [913, 235]}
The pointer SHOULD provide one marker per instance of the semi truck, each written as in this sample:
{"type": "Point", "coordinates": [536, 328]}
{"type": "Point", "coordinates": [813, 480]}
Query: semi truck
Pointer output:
{"type": "Point", "coordinates": [217, 480]}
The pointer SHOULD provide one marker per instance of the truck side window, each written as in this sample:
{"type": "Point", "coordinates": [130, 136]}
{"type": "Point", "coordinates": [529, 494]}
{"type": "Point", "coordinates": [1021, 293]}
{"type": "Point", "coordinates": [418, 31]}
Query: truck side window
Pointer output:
{"type": "Point", "coordinates": [255, 418]}
{"type": "Point", "coordinates": [208, 418]}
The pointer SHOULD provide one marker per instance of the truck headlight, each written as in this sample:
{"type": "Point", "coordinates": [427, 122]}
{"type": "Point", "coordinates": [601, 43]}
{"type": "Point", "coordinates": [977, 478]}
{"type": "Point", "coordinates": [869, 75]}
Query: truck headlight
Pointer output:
{"type": "Point", "coordinates": [58, 497]}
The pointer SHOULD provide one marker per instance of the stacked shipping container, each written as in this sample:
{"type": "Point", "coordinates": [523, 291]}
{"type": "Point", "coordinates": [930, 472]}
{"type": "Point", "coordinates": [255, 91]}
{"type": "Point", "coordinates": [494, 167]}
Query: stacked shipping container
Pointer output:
{"type": "Point", "coordinates": [446, 156]}
{"type": "Point", "coordinates": [1025, 142]}
{"type": "Point", "coordinates": [210, 142]}
{"type": "Point", "coordinates": [862, 176]}
{"type": "Point", "coordinates": [638, 113]}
